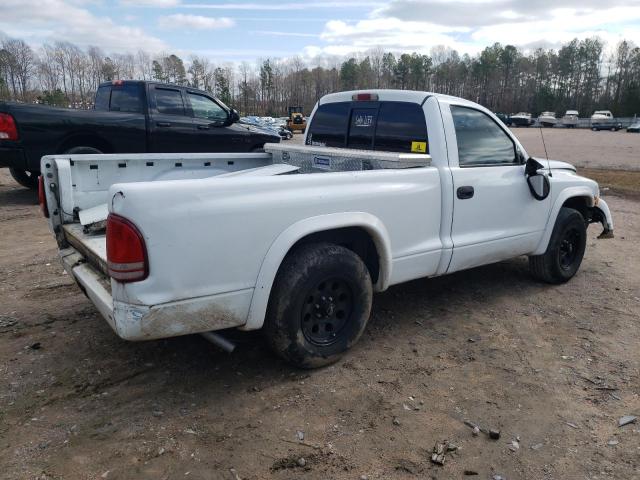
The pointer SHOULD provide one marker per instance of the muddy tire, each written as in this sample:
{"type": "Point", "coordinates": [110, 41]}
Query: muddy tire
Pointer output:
{"type": "Point", "coordinates": [565, 251]}
{"type": "Point", "coordinates": [319, 305]}
{"type": "Point", "coordinates": [24, 177]}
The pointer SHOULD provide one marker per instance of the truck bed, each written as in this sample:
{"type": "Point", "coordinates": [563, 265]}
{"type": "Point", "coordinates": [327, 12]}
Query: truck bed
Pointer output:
{"type": "Point", "coordinates": [90, 245]}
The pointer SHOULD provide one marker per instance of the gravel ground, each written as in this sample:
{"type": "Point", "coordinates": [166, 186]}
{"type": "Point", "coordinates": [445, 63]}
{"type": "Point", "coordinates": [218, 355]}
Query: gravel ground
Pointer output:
{"type": "Point", "coordinates": [552, 367]}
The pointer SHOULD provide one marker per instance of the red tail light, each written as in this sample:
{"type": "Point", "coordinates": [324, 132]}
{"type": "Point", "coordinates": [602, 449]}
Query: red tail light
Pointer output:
{"type": "Point", "coordinates": [364, 97]}
{"type": "Point", "coordinates": [42, 198]}
{"type": "Point", "coordinates": [8, 130]}
{"type": "Point", "coordinates": [126, 251]}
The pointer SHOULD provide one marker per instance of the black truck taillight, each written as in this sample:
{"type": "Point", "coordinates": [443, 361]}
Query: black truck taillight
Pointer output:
{"type": "Point", "coordinates": [8, 129]}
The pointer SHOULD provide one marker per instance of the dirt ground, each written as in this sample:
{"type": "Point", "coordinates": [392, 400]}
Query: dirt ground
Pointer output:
{"type": "Point", "coordinates": [552, 367]}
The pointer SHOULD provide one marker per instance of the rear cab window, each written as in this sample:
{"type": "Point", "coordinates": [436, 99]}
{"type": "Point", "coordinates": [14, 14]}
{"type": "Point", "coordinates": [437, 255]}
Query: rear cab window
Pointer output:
{"type": "Point", "coordinates": [126, 98]}
{"type": "Point", "coordinates": [385, 126]}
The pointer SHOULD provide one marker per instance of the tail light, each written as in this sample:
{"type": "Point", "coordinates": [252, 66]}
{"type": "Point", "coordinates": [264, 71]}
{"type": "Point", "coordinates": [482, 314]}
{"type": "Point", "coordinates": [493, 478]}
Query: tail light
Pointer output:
{"type": "Point", "coordinates": [8, 130]}
{"type": "Point", "coordinates": [126, 251]}
{"type": "Point", "coordinates": [42, 197]}
{"type": "Point", "coordinates": [364, 97]}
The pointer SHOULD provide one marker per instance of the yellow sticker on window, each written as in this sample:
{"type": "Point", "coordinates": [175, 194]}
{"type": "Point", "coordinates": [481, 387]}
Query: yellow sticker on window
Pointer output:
{"type": "Point", "coordinates": [419, 147]}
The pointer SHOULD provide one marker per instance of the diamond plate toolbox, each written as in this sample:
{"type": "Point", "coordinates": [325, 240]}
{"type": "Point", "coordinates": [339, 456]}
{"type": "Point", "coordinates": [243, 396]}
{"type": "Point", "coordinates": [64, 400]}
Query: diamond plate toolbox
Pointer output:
{"type": "Point", "coordinates": [313, 159]}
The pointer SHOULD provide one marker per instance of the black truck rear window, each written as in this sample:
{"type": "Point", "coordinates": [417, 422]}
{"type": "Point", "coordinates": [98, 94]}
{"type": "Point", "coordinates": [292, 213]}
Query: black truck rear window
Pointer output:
{"type": "Point", "coordinates": [120, 98]}
{"type": "Point", "coordinates": [126, 98]}
{"type": "Point", "coordinates": [384, 126]}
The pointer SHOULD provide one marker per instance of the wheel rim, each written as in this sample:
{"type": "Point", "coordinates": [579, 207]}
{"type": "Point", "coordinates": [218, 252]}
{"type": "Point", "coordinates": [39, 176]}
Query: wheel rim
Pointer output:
{"type": "Point", "coordinates": [569, 247]}
{"type": "Point", "coordinates": [326, 311]}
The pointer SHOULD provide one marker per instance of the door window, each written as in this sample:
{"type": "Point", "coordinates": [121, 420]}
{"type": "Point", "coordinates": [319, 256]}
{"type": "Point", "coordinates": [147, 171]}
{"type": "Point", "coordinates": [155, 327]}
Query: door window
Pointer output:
{"type": "Point", "coordinates": [204, 107]}
{"type": "Point", "coordinates": [169, 101]}
{"type": "Point", "coordinates": [481, 142]}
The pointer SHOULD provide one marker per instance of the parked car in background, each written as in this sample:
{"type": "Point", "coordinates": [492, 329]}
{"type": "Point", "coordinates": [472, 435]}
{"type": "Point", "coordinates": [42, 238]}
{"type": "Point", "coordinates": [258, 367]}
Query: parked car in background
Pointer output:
{"type": "Point", "coordinates": [548, 119]}
{"type": "Point", "coordinates": [390, 186]}
{"type": "Point", "coordinates": [129, 117]}
{"type": "Point", "coordinates": [604, 120]}
{"type": "Point", "coordinates": [522, 119]}
{"type": "Point", "coordinates": [504, 118]}
{"type": "Point", "coordinates": [634, 127]}
{"type": "Point", "coordinates": [570, 119]}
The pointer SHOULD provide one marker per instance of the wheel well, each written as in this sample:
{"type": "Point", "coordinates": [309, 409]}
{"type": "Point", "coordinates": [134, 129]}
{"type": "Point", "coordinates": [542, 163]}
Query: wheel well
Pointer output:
{"type": "Point", "coordinates": [580, 204]}
{"type": "Point", "coordinates": [356, 239]}
{"type": "Point", "coordinates": [85, 140]}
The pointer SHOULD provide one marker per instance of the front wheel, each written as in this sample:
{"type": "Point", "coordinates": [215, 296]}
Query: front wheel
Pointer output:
{"type": "Point", "coordinates": [319, 305]}
{"type": "Point", "coordinates": [565, 251]}
{"type": "Point", "coordinates": [25, 177]}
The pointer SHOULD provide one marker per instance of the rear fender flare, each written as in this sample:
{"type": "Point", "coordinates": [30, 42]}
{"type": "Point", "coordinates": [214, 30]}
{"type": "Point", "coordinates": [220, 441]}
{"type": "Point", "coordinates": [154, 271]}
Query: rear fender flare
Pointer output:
{"type": "Point", "coordinates": [566, 194]}
{"type": "Point", "coordinates": [288, 238]}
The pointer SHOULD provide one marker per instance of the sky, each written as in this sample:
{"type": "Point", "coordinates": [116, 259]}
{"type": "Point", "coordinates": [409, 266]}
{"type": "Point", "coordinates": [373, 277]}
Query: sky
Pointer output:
{"type": "Point", "coordinates": [249, 30]}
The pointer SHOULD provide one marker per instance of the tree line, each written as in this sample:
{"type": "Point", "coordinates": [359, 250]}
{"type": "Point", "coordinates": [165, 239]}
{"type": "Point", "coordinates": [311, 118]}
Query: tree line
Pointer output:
{"type": "Point", "coordinates": [580, 75]}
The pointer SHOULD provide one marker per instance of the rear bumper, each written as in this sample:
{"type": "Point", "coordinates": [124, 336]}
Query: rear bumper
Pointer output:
{"type": "Point", "coordinates": [148, 322]}
{"type": "Point", "coordinates": [12, 157]}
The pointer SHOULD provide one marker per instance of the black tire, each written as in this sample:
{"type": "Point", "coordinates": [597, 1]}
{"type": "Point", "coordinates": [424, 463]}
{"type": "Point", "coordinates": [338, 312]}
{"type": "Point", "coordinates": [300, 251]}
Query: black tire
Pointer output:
{"type": "Point", "coordinates": [307, 327]}
{"type": "Point", "coordinates": [565, 251]}
{"type": "Point", "coordinates": [25, 177]}
{"type": "Point", "coordinates": [83, 151]}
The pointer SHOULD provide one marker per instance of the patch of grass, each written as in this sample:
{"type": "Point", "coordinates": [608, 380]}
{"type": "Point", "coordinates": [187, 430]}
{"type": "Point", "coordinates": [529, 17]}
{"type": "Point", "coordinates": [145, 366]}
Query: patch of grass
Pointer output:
{"type": "Point", "coordinates": [619, 182]}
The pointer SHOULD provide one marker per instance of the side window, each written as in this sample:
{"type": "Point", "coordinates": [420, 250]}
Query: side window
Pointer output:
{"type": "Point", "coordinates": [480, 140]}
{"type": "Point", "coordinates": [329, 125]}
{"type": "Point", "coordinates": [169, 101]}
{"type": "Point", "coordinates": [204, 107]}
{"type": "Point", "coordinates": [401, 128]}
{"type": "Point", "coordinates": [102, 98]}
{"type": "Point", "coordinates": [126, 98]}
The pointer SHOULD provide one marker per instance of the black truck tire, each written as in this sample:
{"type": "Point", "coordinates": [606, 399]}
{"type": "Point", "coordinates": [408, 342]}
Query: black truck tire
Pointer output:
{"type": "Point", "coordinates": [25, 177]}
{"type": "Point", "coordinates": [565, 251]}
{"type": "Point", "coordinates": [319, 306]}
{"type": "Point", "coordinates": [83, 151]}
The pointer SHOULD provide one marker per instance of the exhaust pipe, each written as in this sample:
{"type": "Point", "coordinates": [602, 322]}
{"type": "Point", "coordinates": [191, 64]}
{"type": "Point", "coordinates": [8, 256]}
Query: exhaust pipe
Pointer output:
{"type": "Point", "coordinates": [219, 341]}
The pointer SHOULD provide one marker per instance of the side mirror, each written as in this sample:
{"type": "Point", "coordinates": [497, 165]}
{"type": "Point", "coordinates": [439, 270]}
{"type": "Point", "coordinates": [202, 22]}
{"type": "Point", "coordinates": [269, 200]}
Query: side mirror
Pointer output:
{"type": "Point", "coordinates": [234, 116]}
{"type": "Point", "coordinates": [538, 182]}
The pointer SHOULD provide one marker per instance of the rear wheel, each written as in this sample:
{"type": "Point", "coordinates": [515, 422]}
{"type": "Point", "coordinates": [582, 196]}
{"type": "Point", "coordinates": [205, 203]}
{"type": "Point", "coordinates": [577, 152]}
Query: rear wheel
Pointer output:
{"type": "Point", "coordinates": [319, 305]}
{"type": "Point", "coordinates": [25, 177]}
{"type": "Point", "coordinates": [565, 251]}
{"type": "Point", "coordinates": [83, 151]}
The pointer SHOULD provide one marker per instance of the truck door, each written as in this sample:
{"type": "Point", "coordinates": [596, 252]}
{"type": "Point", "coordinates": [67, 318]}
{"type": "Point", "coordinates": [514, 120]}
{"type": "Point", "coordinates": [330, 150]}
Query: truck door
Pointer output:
{"type": "Point", "coordinates": [171, 130]}
{"type": "Point", "coordinates": [495, 217]}
{"type": "Point", "coordinates": [210, 122]}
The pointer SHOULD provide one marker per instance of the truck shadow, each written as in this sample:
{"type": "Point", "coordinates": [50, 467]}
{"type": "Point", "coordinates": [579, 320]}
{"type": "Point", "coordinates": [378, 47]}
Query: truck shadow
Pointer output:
{"type": "Point", "coordinates": [426, 302]}
{"type": "Point", "coordinates": [11, 195]}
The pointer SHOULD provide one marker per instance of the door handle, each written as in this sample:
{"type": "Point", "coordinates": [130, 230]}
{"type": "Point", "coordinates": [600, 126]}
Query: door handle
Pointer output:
{"type": "Point", "coordinates": [203, 127]}
{"type": "Point", "coordinates": [163, 124]}
{"type": "Point", "coordinates": [465, 192]}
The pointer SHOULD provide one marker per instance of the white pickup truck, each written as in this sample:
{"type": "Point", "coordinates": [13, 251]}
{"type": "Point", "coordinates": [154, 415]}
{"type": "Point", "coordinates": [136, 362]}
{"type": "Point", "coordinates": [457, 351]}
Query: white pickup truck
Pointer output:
{"type": "Point", "coordinates": [390, 186]}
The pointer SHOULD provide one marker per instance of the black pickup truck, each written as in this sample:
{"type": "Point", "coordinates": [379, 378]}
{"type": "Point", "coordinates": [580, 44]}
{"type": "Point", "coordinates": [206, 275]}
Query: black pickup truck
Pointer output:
{"type": "Point", "coordinates": [128, 117]}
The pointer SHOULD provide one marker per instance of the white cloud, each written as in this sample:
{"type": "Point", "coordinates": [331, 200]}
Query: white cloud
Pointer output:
{"type": "Point", "coordinates": [197, 22]}
{"type": "Point", "coordinates": [38, 21]}
{"type": "Point", "coordinates": [330, 5]}
{"type": "Point", "coordinates": [283, 34]}
{"type": "Point", "coordinates": [150, 3]}
{"type": "Point", "coordinates": [470, 25]}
